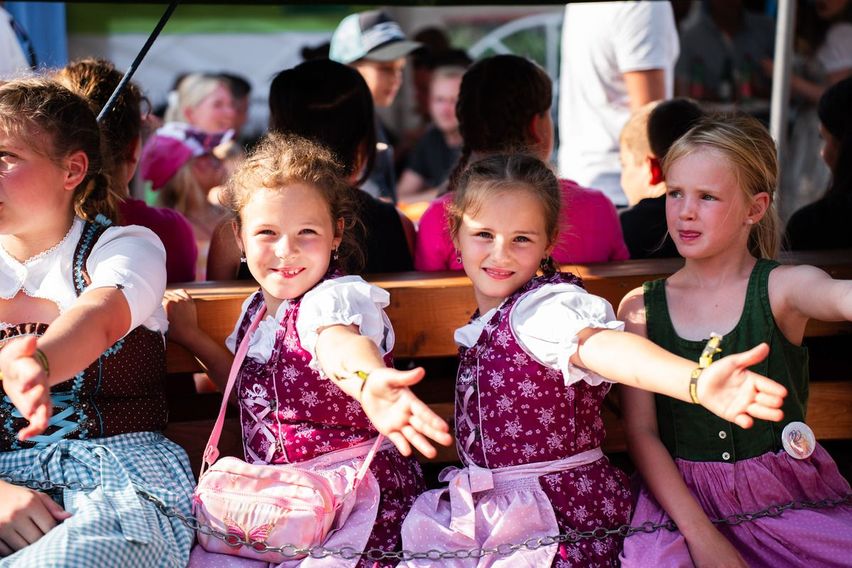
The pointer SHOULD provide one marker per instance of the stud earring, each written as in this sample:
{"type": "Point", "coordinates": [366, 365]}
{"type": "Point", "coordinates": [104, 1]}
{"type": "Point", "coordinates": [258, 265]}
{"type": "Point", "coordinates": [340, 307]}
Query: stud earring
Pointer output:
{"type": "Point", "coordinates": [243, 259]}
{"type": "Point", "coordinates": [749, 221]}
{"type": "Point", "coordinates": [335, 255]}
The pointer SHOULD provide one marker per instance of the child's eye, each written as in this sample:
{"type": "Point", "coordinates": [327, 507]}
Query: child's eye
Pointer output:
{"type": "Point", "coordinates": [307, 232]}
{"type": "Point", "coordinates": [708, 197]}
{"type": "Point", "coordinates": [483, 235]}
{"type": "Point", "coordinates": [675, 193]}
{"type": "Point", "coordinates": [265, 232]}
{"type": "Point", "coordinates": [522, 239]}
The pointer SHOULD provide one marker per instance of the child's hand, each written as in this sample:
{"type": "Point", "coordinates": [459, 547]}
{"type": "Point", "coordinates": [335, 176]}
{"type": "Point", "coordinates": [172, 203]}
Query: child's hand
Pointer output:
{"type": "Point", "coordinates": [713, 550]}
{"type": "Point", "coordinates": [25, 517]}
{"type": "Point", "coordinates": [25, 383]}
{"type": "Point", "coordinates": [400, 415]}
{"type": "Point", "coordinates": [182, 314]}
{"type": "Point", "coordinates": [729, 390]}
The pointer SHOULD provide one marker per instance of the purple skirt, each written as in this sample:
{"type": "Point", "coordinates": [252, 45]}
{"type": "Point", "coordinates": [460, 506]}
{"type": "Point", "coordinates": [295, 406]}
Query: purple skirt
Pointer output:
{"type": "Point", "coordinates": [802, 537]}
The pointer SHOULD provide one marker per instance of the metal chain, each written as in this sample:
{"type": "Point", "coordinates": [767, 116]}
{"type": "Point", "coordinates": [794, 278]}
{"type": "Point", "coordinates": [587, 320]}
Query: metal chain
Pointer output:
{"type": "Point", "coordinates": [376, 554]}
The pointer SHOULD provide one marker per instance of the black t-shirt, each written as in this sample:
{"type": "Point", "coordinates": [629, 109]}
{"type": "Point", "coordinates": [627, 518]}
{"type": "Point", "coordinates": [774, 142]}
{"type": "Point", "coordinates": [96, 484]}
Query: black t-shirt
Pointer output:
{"type": "Point", "coordinates": [384, 243]}
{"type": "Point", "coordinates": [824, 224]}
{"type": "Point", "coordinates": [645, 232]}
{"type": "Point", "coordinates": [432, 159]}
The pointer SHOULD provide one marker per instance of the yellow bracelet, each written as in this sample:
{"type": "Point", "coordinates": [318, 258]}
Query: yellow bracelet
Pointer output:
{"type": "Point", "coordinates": [361, 375]}
{"type": "Point", "coordinates": [704, 361]}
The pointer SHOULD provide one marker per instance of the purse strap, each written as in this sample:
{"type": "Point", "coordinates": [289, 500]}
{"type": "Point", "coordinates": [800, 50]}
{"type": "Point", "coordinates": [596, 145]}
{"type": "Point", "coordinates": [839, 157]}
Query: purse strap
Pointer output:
{"type": "Point", "coordinates": [211, 451]}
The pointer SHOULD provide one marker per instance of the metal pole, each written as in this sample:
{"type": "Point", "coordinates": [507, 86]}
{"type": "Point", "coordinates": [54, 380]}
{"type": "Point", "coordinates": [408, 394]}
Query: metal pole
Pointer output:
{"type": "Point", "coordinates": [139, 57]}
{"type": "Point", "coordinates": [781, 74]}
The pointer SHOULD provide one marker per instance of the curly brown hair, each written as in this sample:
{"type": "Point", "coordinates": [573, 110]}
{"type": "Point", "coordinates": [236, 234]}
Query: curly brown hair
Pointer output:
{"type": "Point", "coordinates": [281, 160]}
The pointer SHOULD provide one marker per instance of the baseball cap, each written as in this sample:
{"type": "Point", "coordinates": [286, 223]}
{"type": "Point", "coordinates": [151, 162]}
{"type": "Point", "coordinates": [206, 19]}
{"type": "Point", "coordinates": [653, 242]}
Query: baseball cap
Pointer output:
{"type": "Point", "coordinates": [371, 35]}
{"type": "Point", "coordinates": [172, 146]}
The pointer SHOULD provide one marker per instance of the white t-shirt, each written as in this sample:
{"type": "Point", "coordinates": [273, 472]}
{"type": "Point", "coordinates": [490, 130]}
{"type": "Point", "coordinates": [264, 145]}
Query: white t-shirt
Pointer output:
{"type": "Point", "coordinates": [546, 322]}
{"type": "Point", "coordinates": [835, 53]}
{"type": "Point", "coordinates": [131, 257]}
{"type": "Point", "coordinates": [347, 300]}
{"type": "Point", "coordinates": [600, 42]}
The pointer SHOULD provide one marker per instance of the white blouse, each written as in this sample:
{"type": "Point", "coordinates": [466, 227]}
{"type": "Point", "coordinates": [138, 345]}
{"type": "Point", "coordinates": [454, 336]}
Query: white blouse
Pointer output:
{"type": "Point", "coordinates": [546, 322]}
{"type": "Point", "coordinates": [347, 300]}
{"type": "Point", "coordinates": [131, 258]}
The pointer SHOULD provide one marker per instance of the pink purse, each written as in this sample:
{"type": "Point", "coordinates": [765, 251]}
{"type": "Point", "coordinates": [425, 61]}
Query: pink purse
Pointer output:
{"type": "Point", "coordinates": [265, 505]}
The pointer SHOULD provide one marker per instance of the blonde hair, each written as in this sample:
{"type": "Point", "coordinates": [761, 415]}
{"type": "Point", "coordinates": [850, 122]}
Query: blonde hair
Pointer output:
{"type": "Point", "coordinates": [634, 135]}
{"type": "Point", "coordinates": [281, 160]}
{"type": "Point", "coordinates": [507, 172]}
{"type": "Point", "coordinates": [751, 154]}
{"type": "Point", "coordinates": [189, 93]}
{"type": "Point", "coordinates": [176, 193]}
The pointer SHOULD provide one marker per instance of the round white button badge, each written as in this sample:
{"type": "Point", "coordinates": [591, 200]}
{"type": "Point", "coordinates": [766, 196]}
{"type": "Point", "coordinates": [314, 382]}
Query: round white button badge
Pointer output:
{"type": "Point", "coordinates": [798, 440]}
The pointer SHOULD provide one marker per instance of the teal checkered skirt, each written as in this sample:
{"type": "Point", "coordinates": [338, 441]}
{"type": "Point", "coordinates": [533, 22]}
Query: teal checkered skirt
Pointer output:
{"type": "Point", "coordinates": [110, 524]}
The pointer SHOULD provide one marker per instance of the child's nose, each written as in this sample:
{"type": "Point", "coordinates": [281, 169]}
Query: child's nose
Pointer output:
{"type": "Point", "coordinates": [284, 247]}
{"type": "Point", "coordinates": [501, 249]}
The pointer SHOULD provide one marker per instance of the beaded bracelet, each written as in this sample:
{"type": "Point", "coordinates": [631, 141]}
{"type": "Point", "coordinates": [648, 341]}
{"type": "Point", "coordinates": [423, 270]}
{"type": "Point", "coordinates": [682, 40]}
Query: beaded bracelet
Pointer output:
{"type": "Point", "coordinates": [704, 361]}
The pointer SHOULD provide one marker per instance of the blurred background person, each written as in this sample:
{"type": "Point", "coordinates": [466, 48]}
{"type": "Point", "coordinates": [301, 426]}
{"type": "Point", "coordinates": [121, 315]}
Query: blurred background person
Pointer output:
{"type": "Point", "coordinates": [645, 140]}
{"type": "Point", "coordinates": [95, 80]}
{"type": "Point", "coordinates": [376, 47]}
{"type": "Point", "coordinates": [616, 57]}
{"type": "Point", "coordinates": [180, 164]}
{"type": "Point", "coordinates": [827, 223]}
{"type": "Point", "coordinates": [438, 150]}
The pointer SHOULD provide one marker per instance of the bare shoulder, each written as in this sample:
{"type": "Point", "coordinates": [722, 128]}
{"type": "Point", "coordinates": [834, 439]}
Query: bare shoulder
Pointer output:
{"type": "Point", "coordinates": [631, 311]}
{"type": "Point", "coordinates": [788, 278]}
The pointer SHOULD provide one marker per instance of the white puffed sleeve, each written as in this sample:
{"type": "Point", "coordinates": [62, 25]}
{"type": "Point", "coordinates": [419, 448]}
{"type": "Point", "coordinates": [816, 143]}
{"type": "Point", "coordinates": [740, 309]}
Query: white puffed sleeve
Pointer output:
{"type": "Point", "coordinates": [347, 300]}
{"type": "Point", "coordinates": [546, 323]}
{"type": "Point", "coordinates": [231, 340]}
{"type": "Point", "coordinates": [133, 259]}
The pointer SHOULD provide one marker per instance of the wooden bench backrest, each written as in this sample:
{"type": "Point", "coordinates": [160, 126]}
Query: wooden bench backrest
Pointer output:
{"type": "Point", "coordinates": [426, 308]}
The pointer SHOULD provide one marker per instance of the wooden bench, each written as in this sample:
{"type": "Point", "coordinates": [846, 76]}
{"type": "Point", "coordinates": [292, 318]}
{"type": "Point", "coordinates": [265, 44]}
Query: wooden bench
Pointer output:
{"type": "Point", "coordinates": [426, 308]}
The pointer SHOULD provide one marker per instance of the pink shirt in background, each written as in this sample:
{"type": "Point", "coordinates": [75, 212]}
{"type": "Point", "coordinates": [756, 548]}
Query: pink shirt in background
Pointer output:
{"type": "Point", "coordinates": [173, 229]}
{"type": "Point", "coordinates": [589, 231]}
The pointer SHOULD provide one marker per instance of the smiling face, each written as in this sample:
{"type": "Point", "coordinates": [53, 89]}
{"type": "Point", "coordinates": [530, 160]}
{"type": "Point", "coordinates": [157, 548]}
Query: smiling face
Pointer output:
{"type": "Point", "coordinates": [215, 113]}
{"type": "Point", "coordinates": [706, 211]}
{"type": "Point", "coordinates": [501, 252]}
{"type": "Point", "coordinates": [288, 237]}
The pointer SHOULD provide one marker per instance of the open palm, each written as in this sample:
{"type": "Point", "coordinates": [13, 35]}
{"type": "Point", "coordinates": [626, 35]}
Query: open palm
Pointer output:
{"type": "Point", "coordinates": [398, 414]}
{"type": "Point", "coordinates": [728, 389]}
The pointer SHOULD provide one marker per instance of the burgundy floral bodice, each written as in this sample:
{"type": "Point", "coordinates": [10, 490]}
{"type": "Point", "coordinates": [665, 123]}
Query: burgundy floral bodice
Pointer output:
{"type": "Point", "coordinates": [511, 409]}
{"type": "Point", "coordinates": [288, 412]}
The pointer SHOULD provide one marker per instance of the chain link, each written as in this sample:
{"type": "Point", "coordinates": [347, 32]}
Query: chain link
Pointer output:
{"type": "Point", "coordinates": [377, 554]}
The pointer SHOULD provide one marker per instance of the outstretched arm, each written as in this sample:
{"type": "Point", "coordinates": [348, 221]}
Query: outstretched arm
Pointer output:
{"type": "Point", "coordinates": [655, 464]}
{"type": "Point", "coordinates": [77, 337]}
{"type": "Point", "coordinates": [808, 292]}
{"type": "Point", "coordinates": [383, 392]}
{"type": "Point", "coordinates": [726, 388]}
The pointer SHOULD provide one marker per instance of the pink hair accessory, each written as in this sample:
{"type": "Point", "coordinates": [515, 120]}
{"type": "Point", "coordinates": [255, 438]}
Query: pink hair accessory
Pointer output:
{"type": "Point", "coordinates": [172, 146]}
